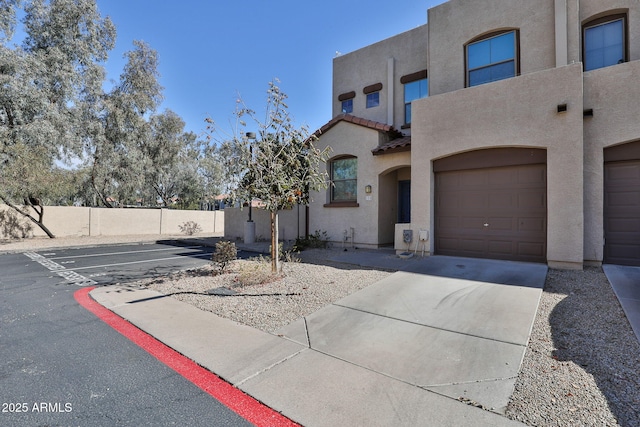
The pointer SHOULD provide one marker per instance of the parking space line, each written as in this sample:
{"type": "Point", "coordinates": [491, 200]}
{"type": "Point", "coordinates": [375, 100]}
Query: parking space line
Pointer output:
{"type": "Point", "coordinates": [69, 275]}
{"type": "Point", "coordinates": [126, 252]}
{"type": "Point", "coordinates": [141, 262]}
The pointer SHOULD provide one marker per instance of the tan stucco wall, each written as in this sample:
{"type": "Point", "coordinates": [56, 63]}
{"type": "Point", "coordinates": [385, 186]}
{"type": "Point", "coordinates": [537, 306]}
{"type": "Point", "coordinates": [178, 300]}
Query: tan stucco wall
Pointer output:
{"type": "Point", "coordinates": [80, 221]}
{"type": "Point", "coordinates": [613, 95]}
{"type": "Point", "coordinates": [454, 23]}
{"type": "Point", "coordinates": [518, 112]}
{"type": "Point", "coordinates": [209, 221]}
{"type": "Point", "coordinates": [353, 140]}
{"type": "Point", "coordinates": [409, 51]}
{"type": "Point", "coordinates": [291, 223]}
{"type": "Point", "coordinates": [105, 222]}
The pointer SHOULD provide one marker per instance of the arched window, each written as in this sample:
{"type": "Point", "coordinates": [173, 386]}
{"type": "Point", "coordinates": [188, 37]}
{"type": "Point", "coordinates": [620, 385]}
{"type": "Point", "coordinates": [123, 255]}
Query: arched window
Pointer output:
{"type": "Point", "coordinates": [492, 57]}
{"type": "Point", "coordinates": [344, 179]}
{"type": "Point", "coordinates": [604, 41]}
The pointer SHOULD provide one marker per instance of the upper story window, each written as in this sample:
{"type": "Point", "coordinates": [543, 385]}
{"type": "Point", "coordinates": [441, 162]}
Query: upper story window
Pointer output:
{"type": "Point", "coordinates": [416, 86]}
{"type": "Point", "coordinates": [494, 57]}
{"type": "Point", "coordinates": [344, 179]}
{"type": "Point", "coordinates": [346, 100]}
{"type": "Point", "coordinates": [373, 99]}
{"type": "Point", "coordinates": [373, 94]}
{"type": "Point", "coordinates": [604, 42]}
{"type": "Point", "coordinates": [347, 106]}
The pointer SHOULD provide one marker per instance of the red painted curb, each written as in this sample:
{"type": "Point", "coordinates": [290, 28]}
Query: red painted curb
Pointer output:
{"type": "Point", "coordinates": [233, 398]}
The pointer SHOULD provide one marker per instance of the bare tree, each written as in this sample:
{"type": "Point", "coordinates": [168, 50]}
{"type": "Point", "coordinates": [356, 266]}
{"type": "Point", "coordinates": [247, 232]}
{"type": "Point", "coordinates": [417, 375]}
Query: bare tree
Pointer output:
{"type": "Point", "coordinates": [281, 166]}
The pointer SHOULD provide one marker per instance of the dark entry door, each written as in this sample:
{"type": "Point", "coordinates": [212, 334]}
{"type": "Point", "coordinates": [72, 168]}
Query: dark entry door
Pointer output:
{"type": "Point", "coordinates": [404, 202]}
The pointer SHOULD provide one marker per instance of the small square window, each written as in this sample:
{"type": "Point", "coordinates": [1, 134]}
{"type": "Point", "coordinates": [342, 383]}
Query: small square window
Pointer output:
{"type": "Point", "coordinates": [347, 106]}
{"type": "Point", "coordinates": [373, 99]}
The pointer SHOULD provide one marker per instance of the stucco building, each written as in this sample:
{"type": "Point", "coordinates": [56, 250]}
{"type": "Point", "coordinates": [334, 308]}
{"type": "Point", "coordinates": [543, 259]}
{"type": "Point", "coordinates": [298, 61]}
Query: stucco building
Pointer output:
{"type": "Point", "coordinates": [506, 129]}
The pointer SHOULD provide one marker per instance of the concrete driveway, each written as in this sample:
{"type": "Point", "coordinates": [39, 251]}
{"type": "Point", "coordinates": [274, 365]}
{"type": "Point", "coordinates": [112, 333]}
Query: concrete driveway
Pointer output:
{"type": "Point", "coordinates": [457, 337]}
{"type": "Point", "coordinates": [418, 348]}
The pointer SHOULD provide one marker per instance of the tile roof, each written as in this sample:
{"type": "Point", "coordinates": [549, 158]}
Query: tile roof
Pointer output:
{"type": "Point", "coordinates": [393, 146]}
{"type": "Point", "coordinates": [398, 141]}
{"type": "Point", "coordinates": [371, 124]}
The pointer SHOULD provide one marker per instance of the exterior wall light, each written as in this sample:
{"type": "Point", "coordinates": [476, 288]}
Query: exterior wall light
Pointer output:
{"type": "Point", "coordinates": [367, 189]}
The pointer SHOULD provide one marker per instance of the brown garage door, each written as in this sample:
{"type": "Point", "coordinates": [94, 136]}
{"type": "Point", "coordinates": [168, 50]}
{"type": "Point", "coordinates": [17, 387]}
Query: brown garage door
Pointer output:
{"type": "Point", "coordinates": [497, 212]}
{"type": "Point", "coordinates": [622, 212]}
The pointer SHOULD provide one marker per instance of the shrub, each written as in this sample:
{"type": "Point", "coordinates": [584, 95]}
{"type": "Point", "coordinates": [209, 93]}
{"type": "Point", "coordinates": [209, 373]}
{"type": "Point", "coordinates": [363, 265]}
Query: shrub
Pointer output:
{"type": "Point", "coordinates": [256, 271]}
{"type": "Point", "coordinates": [316, 240]}
{"type": "Point", "coordinates": [287, 255]}
{"type": "Point", "coordinates": [190, 228]}
{"type": "Point", "coordinates": [225, 253]}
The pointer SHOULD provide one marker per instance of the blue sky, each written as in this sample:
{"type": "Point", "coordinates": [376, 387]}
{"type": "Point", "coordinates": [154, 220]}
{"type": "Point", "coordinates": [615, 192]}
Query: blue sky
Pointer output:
{"type": "Point", "coordinates": [210, 51]}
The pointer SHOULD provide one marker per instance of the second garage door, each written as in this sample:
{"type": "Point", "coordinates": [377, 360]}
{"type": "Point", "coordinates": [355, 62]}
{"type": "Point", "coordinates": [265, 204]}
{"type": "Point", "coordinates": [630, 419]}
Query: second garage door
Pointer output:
{"type": "Point", "coordinates": [491, 211]}
{"type": "Point", "coordinates": [622, 204]}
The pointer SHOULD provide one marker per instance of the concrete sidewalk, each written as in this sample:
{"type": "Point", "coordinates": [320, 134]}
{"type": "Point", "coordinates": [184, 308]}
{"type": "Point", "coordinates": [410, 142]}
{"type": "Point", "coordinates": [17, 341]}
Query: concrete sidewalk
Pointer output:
{"type": "Point", "coordinates": [625, 281]}
{"type": "Point", "coordinates": [413, 349]}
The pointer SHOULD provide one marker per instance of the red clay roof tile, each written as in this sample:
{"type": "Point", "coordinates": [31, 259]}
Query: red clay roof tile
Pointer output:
{"type": "Point", "coordinates": [393, 146]}
{"type": "Point", "coordinates": [390, 130]}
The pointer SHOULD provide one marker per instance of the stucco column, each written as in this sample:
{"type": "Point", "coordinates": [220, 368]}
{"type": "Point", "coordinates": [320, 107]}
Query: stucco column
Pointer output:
{"type": "Point", "coordinates": [562, 56]}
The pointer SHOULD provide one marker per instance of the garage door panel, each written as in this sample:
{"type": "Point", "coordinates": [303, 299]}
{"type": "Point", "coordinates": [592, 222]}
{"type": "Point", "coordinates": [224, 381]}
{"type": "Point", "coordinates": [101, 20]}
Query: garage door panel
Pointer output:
{"type": "Point", "coordinates": [623, 198]}
{"type": "Point", "coordinates": [624, 172]}
{"type": "Point", "coordinates": [532, 200]}
{"type": "Point", "coordinates": [623, 225]}
{"type": "Point", "coordinates": [511, 200]}
{"type": "Point", "coordinates": [474, 246]}
{"type": "Point", "coordinates": [449, 222]}
{"type": "Point", "coordinates": [446, 244]}
{"type": "Point", "coordinates": [470, 200]}
{"type": "Point", "coordinates": [447, 181]}
{"type": "Point", "coordinates": [531, 249]}
{"type": "Point", "coordinates": [448, 204]}
{"type": "Point", "coordinates": [502, 200]}
{"type": "Point", "coordinates": [538, 225]}
{"type": "Point", "coordinates": [622, 212]}
{"type": "Point", "coordinates": [500, 248]}
{"type": "Point", "coordinates": [503, 178]}
{"type": "Point", "coordinates": [497, 224]}
{"type": "Point", "coordinates": [473, 179]}
{"type": "Point", "coordinates": [536, 177]}
{"type": "Point", "coordinates": [627, 254]}
{"type": "Point", "coordinates": [472, 223]}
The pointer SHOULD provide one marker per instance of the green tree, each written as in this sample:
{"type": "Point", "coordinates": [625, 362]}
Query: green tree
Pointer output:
{"type": "Point", "coordinates": [121, 128]}
{"type": "Point", "coordinates": [172, 159]}
{"type": "Point", "coordinates": [281, 166]}
{"type": "Point", "coordinates": [45, 85]}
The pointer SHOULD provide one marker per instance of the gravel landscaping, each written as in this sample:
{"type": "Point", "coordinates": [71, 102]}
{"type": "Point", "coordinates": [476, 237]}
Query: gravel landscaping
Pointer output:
{"type": "Point", "coordinates": [582, 366]}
